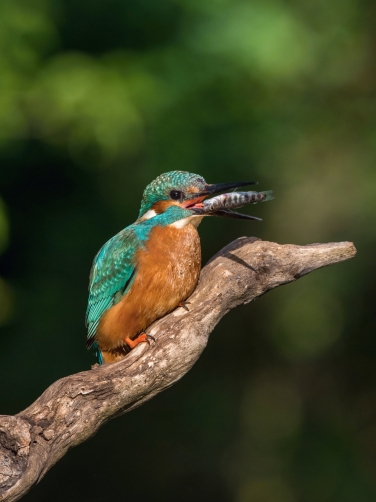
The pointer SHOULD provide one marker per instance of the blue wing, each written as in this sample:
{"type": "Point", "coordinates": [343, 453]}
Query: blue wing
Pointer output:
{"type": "Point", "coordinates": [111, 276]}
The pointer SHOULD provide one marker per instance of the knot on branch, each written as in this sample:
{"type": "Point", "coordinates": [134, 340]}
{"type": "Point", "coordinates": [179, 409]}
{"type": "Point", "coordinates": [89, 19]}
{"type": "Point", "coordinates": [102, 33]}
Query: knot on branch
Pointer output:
{"type": "Point", "coordinates": [15, 442]}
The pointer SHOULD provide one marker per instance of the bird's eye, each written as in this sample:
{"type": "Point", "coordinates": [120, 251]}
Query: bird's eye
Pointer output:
{"type": "Point", "coordinates": [176, 194]}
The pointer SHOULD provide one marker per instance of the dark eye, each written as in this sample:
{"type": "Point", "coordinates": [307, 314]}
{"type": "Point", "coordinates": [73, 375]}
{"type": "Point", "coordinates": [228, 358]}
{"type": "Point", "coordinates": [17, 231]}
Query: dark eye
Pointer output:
{"type": "Point", "coordinates": [176, 194]}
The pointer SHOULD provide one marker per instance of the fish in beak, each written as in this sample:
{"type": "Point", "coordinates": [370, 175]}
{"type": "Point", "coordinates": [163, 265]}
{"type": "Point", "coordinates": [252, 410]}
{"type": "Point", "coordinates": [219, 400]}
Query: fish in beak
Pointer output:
{"type": "Point", "coordinates": [195, 203]}
{"type": "Point", "coordinates": [223, 205]}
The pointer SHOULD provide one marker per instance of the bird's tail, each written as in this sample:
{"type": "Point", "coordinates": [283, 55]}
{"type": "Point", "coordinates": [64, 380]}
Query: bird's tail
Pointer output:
{"type": "Point", "coordinates": [98, 353]}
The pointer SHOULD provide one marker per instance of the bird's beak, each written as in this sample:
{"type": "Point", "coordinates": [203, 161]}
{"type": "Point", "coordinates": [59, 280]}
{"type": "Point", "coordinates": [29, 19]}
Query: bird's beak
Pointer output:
{"type": "Point", "coordinates": [224, 213]}
{"type": "Point", "coordinates": [221, 187]}
{"type": "Point", "coordinates": [195, 203]}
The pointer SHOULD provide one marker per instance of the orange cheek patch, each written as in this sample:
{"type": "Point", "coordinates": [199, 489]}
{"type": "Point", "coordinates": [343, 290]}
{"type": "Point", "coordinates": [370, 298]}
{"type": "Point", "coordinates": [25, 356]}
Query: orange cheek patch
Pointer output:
{"type": "Point", "coordinates": [161, 206]}
{"type": "Point", "coordinates": [192, 189]}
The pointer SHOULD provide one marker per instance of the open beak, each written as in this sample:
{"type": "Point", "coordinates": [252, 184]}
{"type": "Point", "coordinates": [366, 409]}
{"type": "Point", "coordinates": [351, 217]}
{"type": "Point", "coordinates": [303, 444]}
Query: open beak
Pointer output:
{"type": "Point", "coordinates": [225, 213]}
{"type": "Point", "coordinates": [195, 203]}
{"type": "Point", "coordinates": [221, 187]}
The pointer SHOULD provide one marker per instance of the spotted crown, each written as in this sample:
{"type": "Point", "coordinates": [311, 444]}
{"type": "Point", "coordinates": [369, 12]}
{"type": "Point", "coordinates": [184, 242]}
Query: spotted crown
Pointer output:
{"type": "Point", "coordinates": [160, 188]}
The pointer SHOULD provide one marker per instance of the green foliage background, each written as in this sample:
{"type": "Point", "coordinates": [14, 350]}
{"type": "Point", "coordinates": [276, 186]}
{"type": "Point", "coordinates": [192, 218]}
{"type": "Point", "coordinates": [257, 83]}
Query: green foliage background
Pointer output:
{"type": "Point", "coordinates": [99, 97]}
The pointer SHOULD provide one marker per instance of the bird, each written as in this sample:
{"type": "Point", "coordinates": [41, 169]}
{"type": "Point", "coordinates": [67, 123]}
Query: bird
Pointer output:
{"type": "Point", "coordinates": [150, 267]}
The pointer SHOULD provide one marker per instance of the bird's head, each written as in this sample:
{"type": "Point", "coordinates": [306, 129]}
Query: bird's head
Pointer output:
{"type": "Point", "coordinates": [179, 188]}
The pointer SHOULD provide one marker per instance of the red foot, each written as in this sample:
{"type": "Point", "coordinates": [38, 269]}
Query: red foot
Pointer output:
{"type": "Point", "coordinates": [143, 337]}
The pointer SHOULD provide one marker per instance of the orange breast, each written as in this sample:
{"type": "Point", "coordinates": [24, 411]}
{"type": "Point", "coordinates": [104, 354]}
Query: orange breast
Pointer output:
{"type": "Point", "coordinates": [167, 273]}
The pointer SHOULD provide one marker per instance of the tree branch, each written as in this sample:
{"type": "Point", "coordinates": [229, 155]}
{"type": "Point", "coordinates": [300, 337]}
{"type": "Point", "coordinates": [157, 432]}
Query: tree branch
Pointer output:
{"type": "Point", "coordinates": [73, 408]}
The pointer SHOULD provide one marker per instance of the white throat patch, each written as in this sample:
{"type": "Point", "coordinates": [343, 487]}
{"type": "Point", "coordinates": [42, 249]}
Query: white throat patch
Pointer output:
{"type": "Point", "coordinates": [191, 220]}
{"type": "Point", "coordinates": [149, 214]}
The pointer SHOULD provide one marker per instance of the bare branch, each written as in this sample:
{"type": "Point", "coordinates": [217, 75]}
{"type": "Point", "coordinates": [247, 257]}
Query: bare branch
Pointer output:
{"type": "Point", "coordinates": [73, 408]}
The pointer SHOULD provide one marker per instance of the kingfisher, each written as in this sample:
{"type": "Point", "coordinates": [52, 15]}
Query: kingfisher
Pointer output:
{"type": "Point", "coordinates": [150, 267]}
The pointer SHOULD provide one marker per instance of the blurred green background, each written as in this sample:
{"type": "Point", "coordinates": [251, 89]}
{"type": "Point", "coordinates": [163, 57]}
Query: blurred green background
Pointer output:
{"type": "Point", "coordinates": [99, 97]}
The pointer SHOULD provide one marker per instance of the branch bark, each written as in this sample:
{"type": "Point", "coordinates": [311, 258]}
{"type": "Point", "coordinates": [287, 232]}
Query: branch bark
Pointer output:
{"type": "Point", "coordinates": [73, 408]}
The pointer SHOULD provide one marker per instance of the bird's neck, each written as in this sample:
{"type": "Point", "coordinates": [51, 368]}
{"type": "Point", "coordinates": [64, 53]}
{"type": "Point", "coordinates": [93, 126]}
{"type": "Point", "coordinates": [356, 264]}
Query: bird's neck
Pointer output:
{"type": "Point", "coordinates": [191, 220]}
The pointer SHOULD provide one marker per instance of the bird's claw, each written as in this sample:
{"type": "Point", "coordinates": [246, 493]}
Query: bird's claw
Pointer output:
{"type": "Point", "coordinates": [184, 305]}
{"type": "Point", "coordinates": [143, 337]}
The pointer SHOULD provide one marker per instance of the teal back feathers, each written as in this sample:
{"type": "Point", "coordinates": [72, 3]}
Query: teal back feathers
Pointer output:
{"type": "Point", "coordinates": [160, 188]}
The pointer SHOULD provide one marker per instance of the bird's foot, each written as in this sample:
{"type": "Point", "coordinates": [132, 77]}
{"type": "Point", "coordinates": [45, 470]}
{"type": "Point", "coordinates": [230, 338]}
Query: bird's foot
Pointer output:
{"type": "Point", "coordinates": [143, 337]}
{"type": "Point", "coordinates": [184, 305]}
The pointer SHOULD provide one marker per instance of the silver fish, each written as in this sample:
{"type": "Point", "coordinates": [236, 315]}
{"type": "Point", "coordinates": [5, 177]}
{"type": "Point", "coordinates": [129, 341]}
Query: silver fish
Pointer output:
{"type": "Point", "coordinates": [234, 200]}
{"type": "Point", "coordinates": [225, 204]}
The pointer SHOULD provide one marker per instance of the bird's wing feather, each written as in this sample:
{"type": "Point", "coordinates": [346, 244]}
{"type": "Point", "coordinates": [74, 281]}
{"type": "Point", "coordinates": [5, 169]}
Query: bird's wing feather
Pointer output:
{"type": "Point", "coordinates": [111, 276]}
